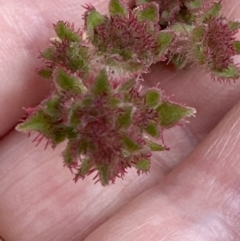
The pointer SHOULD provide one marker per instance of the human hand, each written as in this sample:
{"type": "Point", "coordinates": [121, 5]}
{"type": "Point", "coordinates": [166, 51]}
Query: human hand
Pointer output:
{"type": "Point", "coordinates": [198, 200]}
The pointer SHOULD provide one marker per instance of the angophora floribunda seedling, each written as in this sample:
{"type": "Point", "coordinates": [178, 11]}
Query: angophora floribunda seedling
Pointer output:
{"type": "Point", "coordinates": [98, 105]}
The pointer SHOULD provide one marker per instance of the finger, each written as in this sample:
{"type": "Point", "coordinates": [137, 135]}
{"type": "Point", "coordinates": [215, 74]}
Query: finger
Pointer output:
{"type": "Point", "coordinates": [92, 219]}
{"type": "Point", "coordinates": [199, 200]}
{"type": "Point", "coordinates": [39, 200]}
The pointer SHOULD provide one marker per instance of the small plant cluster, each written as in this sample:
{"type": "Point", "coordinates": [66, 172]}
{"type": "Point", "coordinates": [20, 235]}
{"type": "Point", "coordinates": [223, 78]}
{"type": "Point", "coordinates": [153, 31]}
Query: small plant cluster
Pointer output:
{"type": "Point", "coordinates": [98, 104]}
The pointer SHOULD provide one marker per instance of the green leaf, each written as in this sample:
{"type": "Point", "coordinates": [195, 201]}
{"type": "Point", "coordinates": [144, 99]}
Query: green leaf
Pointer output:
{"type": "Point", "coordinates": [58, 134]}
{"type": "Point", "coordinates": [51, 106]}
{"type": "Point", "coordinates": [195, 4]}
{"type": "Point", "coordinates": [45, 73]}
{"type": "Point", "coordinates": [200, 54]}
{"type": "Point", "coordinates": [101, 84]}
{"type": "Point", "coordinates": [74, 117]}
{"type": "Point", "coordinates": [87, 101]}
{"type": "Point", "coordinates": [152, 130]}
{"type": "Point", "coordinates": [236, 46]}
{"type": "Point", "coordinates": [212, 12]}
{"type": "Point", "coordinates": [148, 12]}
{"type": "Point", "coordinates": [170, 114]}
{"type": "Point", "coordinates": [38, 121]}
{"type": "Point", "coordinates": [117, 7]}
{"type": "Point", "coordinates": [48, 53]}
{"type": "Point", "coordinates": [140, 2]}
{"type": "Point", "coordinates": [152, 97]}
{"type": "Point", "coordinates": [181, 28]}
{"type": "Point", "coordinates": [179, 61]}
{"type": "Point", "coordinates": [94, 19]}
{"type": "Point", "coordinates": [127, 86]}
{"type": "Point", "coordinates": [164, 40]}
{"type": "Point", "coordinates": [64, 32]}
{"type": "Point", "coordinates": [85, 167]}
{"type": "Point", "coordinates": [232, 72]}
{"type": "Point", "coordinates": [133, 66]}
{"type": "Point", "coordinates": [124, 119]}
{"type": "Point", "coordinates": [198, 33]}
{"type": "Point", "coordinates": [71, 132]}
{"type": "Point", "coordinates": [68, 155]}
{"type": "Point", "coordinates": [126, 55]}
{"type": "Point", "coordinates": [77, 58]}
{"type": "Point", "coordinates": [233, 25]}
{"type": "Point", "coordinates": [143, 165]}
{"type": "Point", "coordinates": [104, 171]}
{"type": "Point", "coordinates": [114, 102]}
{"type": "Point", "coordinates": [83, 146]}
{"type": "Point", "coordinates": [155, 147]}
{"type": "Point", "coordinates": [67, 82]}
{"type": "Point", "coordinates": [130, 145]}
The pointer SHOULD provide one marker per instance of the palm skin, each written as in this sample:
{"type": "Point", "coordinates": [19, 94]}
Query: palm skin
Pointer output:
{"type": "Point", "coordinates": [184, 197]}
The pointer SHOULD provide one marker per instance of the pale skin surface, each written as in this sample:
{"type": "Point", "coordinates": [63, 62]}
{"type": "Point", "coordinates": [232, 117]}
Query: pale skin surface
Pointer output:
{"type": "Point", "coordinates": [198, 201]}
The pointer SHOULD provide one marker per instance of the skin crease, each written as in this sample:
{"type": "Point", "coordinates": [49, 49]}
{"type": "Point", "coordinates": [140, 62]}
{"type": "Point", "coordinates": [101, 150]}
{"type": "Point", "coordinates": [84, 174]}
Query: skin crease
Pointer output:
{"type": "Point", "coordinates": [184, 197]}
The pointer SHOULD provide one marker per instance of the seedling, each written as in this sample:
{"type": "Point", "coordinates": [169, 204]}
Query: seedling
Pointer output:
{"type": "Point", "coordinates": [98, 105]}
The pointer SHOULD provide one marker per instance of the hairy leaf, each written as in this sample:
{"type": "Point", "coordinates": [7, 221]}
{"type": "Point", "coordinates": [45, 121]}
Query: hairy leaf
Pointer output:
{"type": "Point", "coordinates": [170, 114]}
{"type": "Point", "coordinates": [64, 32]}
{"type": "Point", "coordinates": [152, 97]}
{"type": "Point", "coordinates": [117, 7]}
{"type": "Point", "coordinates": [67, 82]}
{"type": "Point", "coordinates": [101, 84]}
